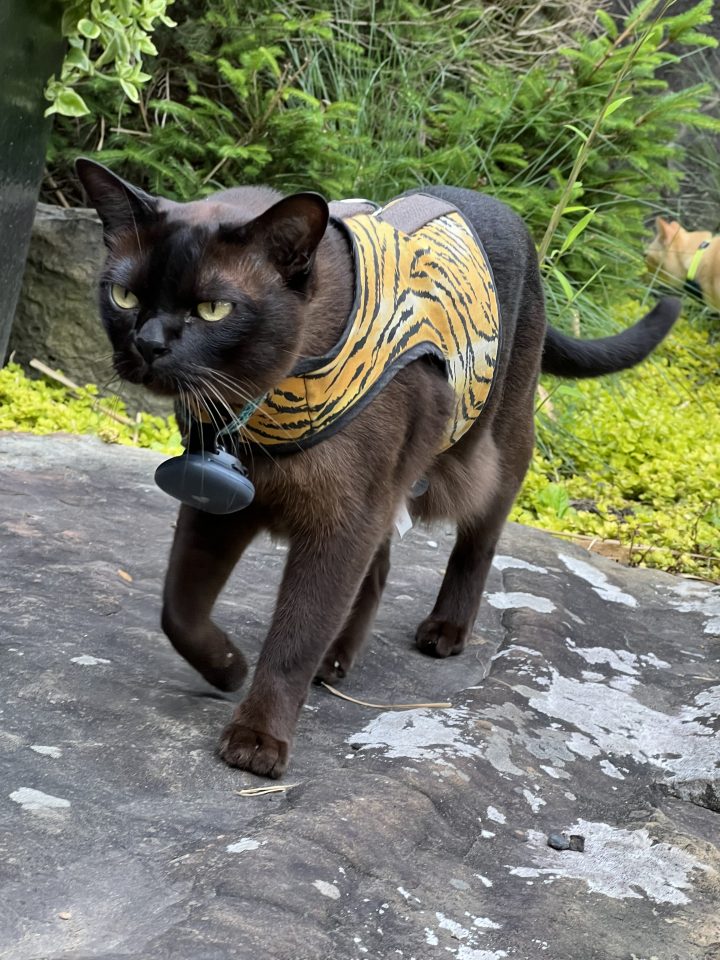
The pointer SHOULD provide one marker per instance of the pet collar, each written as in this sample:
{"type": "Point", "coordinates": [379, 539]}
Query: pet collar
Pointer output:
{"type": "Point", "coordinates": [691, 284]}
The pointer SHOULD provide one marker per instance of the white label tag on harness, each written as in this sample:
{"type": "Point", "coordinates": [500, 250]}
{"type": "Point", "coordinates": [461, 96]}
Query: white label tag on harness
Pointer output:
{"type": "Point", "coordinates": [403, 520]}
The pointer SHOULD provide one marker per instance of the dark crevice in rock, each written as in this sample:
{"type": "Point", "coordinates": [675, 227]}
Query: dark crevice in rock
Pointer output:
{"type": "Point", "coordinates": [702, 793]}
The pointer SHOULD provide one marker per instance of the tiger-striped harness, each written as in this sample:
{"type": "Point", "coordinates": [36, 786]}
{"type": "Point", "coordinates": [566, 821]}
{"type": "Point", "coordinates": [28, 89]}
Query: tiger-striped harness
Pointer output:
{"type": "Point", "coordinates": [423, 288]}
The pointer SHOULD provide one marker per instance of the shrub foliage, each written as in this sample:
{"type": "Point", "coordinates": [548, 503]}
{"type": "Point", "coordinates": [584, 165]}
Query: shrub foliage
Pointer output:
{"type": "Point", "coordinates": [359, 99]}
{"type": "Point", "coordinates": [107, 40]}
{"type": "Point", "coordinates": [636, 458]}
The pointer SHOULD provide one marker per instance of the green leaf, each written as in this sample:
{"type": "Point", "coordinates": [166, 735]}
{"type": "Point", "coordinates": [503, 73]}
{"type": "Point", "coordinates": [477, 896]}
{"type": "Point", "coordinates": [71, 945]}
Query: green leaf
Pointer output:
{"type": "Point", "coordinates": [608, 23]}
{"type": "Point", "coordinates": [564, 283]}
{"type": "Point", "coordinates": [130, 90]}
{"type": "Point", "coordinates": [76, 57]}
{"type": "Point", "coordinates": [616, 104]}
{"type": "Point", "coordinates": [70, 104]}
{"type": "Point", "coordinates": [88, 29]}
{"type": "Point", "coordinates": [575, 232]}
{"type": "Point", "coordinates": [555, 496]}
{"type": "Point", "coordinates": [583, 136]}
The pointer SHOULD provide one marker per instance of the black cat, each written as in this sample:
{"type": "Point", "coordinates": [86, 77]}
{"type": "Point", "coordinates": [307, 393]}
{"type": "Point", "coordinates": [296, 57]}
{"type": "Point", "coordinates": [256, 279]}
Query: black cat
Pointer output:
{"type": "Point", "coordinates": [219, 302]}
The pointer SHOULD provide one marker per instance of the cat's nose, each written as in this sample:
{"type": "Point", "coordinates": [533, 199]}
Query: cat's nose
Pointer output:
{"type": "Point", "coordinates": [151, 349]}
{"type": "Point", "coordinates": [150, 340]}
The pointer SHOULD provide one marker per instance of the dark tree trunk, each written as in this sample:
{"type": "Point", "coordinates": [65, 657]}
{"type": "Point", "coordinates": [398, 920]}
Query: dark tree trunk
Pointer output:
{"type": "Point", "coordinates": [30, 51]}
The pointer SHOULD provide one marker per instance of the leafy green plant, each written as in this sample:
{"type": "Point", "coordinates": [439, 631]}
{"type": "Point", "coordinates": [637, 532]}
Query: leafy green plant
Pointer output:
{"type": "Point", "coordinates": [584, 150]}
{"type": "Point", "coordinates": [39, 406]}
{"type": "Point", "coordinates": [366, 100]}
{"type": "Point", "coordinates": [107, 39]}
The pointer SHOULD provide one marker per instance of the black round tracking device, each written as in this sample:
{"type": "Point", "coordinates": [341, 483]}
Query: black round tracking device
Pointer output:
{"type": "Point", "coordinates": [213, 482]}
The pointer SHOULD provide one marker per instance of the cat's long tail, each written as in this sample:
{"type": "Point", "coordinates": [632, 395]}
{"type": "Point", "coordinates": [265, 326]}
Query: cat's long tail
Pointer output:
{"type": "Point", "coordinates": [566, 357]}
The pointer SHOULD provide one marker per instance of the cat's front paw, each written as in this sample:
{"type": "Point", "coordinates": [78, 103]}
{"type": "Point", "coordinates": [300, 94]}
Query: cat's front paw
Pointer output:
{"type": "Point", "coordinates": [254, 750]}
{"type": "Point", "coordinates": [440, 638]}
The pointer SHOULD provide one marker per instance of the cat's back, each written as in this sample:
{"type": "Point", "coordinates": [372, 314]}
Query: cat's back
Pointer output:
{"type": "Point", "coordinates": [491, 218]}
{"type": "Point", "coordinates": [254, 200]}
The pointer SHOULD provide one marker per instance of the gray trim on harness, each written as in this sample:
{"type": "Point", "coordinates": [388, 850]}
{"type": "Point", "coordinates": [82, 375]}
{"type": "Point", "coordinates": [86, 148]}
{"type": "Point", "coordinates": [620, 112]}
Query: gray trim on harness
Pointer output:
{"type": "Point", "coordinates": [344, 209]}
{"type": "Point", "coordinates": [408, 214]}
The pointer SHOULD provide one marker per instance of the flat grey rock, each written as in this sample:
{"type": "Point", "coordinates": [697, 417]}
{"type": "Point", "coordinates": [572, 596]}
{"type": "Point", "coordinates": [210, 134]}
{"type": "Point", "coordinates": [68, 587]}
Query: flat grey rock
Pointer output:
{"type": "Point", "coordinates": [587, 703]}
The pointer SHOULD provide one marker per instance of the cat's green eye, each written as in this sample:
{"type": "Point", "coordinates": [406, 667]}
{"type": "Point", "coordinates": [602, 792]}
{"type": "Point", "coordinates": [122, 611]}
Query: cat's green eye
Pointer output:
{"type": "Point", "coordinates": [123, 298]}
{"type": "Point", "coordinates": [214, 310]}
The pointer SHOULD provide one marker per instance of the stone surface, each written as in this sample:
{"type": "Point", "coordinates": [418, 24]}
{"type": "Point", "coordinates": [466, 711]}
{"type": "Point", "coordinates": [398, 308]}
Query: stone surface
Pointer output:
{"type": "Point", "coordinates": [587, 704]}
{"type": "Point", "coordinates": [57, 319]}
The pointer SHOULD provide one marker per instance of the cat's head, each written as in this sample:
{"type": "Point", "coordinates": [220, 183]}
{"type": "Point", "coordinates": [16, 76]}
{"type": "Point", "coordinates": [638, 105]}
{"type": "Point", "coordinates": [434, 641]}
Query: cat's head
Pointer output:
{"type": "Point", "coordinates": [206, 298]}
{"type": "Point", "coordinates": [671, 249]}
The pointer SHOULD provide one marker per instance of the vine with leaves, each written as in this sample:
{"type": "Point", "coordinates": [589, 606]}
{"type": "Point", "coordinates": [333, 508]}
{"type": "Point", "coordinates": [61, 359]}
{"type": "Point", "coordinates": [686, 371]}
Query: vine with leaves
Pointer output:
{"type": "Point", "coordinates": [107, 40]}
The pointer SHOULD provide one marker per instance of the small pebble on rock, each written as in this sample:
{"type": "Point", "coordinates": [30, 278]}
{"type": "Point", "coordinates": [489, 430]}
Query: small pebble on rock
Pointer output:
{"type": "Point", "coordinates": [558, 842]}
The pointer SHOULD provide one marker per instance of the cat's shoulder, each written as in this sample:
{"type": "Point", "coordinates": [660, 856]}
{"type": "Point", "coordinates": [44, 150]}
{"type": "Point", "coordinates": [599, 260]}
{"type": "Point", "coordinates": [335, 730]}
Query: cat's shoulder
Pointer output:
{"type": "Point", "coordinates": [255, 198]}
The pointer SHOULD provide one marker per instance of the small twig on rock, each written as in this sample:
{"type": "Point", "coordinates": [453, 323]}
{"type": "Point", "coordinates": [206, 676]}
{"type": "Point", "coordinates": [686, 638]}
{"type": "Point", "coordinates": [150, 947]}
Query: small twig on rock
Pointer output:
{"type": "Point", "coordinates": [76, 388]}
{"type": "Point", "coordinates": [261, 791]}
{"type": "Point", "coordinates": [383, 706]}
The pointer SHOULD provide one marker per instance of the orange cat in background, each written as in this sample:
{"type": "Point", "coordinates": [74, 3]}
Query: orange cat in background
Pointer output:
{"type": "Point", "coordinates": [688, 257]}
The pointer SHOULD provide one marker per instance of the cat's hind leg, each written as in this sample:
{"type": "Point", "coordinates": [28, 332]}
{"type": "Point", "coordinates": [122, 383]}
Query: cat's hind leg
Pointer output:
{"type": "Point", "coordinates": [204, 553]}
{"type": "Point", "coordinates": [496, 463]}
{"type": "Point", "coordinates": [446, 631]}
{"type": "Point", "coordinates": [342, 651]}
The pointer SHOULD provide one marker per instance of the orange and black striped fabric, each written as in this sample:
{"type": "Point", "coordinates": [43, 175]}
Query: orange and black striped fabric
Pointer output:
{"type": "Point", "coordinates": [425, 293]}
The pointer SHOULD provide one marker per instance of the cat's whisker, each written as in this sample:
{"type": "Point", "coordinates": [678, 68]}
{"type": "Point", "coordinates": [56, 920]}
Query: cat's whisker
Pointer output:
{"type": "Point", "coordinates": [243, 433]}
{"type": "Point", "coordinates": [111, 402]}
{"type": "Point", "coordinates": [267, 414]}
{"type": "Point", "coordinates": [208, 387]}
{"type": "Point", "coordinates": [201, 432]}
{"type": "Point", "coordinates": [198, 402]}
{"type": "Point", "coordinates": [231, 382]}
{"type": "Point", "coordinates": [194, 405]}
{"type": "Point", "coordinates": [208, 404]}
{"type": "Point", "coordinates": [242, 437]}
{"type": "Point", "coordinates": [182, 398]}
{"type": "Point", "coordinates": [245, 397]}
{"type": "Point", "coordinates": [182, 404]}
{"type": "Point", "coordinates": [189, 402]}
{"type": "Point", "coordinates": [245, 447]}
{"type": "Point", "coordinates": [228, 382]}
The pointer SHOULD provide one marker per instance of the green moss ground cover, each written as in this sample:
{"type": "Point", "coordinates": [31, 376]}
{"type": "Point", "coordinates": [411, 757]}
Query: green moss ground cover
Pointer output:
{"type": "Point", "coordinates": [636, 458]}
{"type": "Point", "coordinates": [633, 458]}
{"type": "Point", "coordinates": [43, 406]}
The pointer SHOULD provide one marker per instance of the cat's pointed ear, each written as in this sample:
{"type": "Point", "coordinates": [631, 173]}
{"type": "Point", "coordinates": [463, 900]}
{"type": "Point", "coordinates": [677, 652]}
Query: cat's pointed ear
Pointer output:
{"type": "Point", "coordinates": [118, 203]}
{"type": "Point", "coordinates": [290, 231]}
{"type": "Point", "coordinates": [666, 229]}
